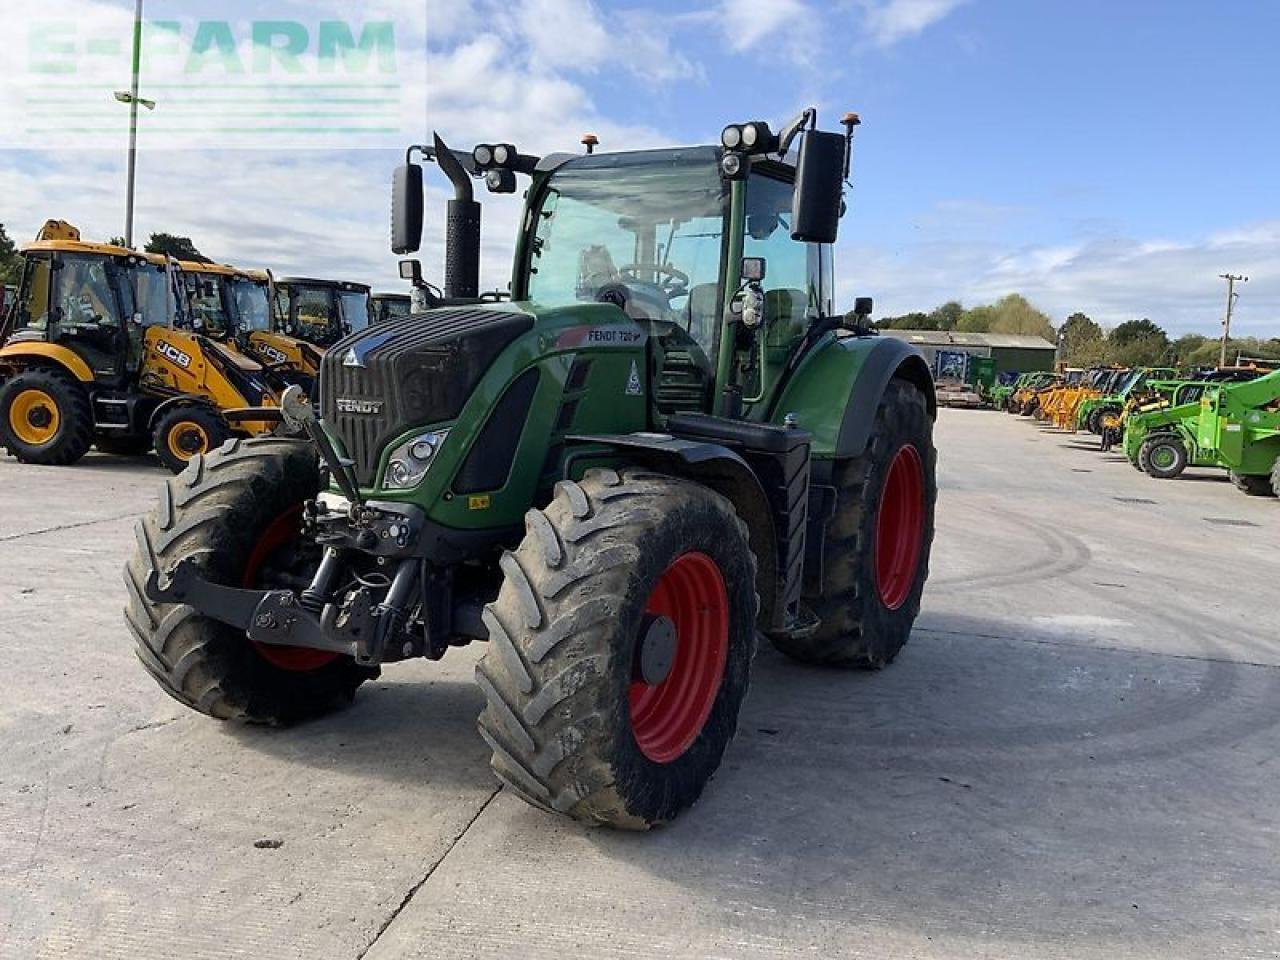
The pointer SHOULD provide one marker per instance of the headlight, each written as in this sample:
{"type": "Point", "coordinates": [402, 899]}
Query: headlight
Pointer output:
{"type": "Point", "coordinates": [731, 137]}
{"type": "Point", "coordinates": [408, 462]}
{"type": "Point", "coordinates": [501, 154]}
{"type": "Point", "coordinates": [483, 155]}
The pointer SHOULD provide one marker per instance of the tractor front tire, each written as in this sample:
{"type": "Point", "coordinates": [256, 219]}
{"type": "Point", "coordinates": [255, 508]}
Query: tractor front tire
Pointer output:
{"type": "Point", "coordinates": [1254, 485]}
{"type": "Point", "coordinates": [45, 418]}
{"type": "Point", "coordinates": [876, 555]}
{"type": "Point", "coordinates": [1163, 456]}
{"type": "Point", "coordinates": [237, 514]}
{"type": "Point", "coordinates": [183, 431]}
{"type": "Point", "coordinates": [620, 648]}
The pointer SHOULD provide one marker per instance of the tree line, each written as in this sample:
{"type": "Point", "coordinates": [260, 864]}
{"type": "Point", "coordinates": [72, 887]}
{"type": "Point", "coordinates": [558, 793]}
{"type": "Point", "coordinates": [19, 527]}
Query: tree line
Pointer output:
{"type": "Point", "coordinates": [1082, 342]}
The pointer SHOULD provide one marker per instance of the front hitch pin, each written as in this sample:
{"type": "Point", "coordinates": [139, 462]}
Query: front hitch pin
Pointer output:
{"type": "Point", "coordinates": [300, 415]}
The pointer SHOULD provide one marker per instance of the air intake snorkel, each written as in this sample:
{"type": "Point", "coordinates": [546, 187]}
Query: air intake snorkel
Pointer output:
{"type": "Point", "coordinates": [462, 225]}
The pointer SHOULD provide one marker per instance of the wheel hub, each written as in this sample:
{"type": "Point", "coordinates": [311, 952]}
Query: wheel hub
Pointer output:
{"type": "Point", "coordinates": [684, 646]}
{"type": "Point", "coordinates": [900, 527]}
{"type": "Point", "coordinates": [656, 651]}
{"type": "Point", "coordinates": [34, 417]}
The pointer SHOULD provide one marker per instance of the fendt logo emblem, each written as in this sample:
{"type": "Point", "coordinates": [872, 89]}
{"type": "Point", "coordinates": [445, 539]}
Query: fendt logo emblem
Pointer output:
{"type": "Point", "coordinates": [365, 407]}
{"type": "Point", "coordinates": [172, 353]}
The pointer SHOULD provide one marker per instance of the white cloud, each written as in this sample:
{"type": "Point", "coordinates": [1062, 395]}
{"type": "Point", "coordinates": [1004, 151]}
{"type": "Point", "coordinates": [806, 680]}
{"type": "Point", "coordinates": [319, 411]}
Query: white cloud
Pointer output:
{"type": "Point", "coordinates": [890, 21]}
{"type": "Point", "coordinates": [748, 23]}
{"type": "Point", "coordinates": [566, 34]}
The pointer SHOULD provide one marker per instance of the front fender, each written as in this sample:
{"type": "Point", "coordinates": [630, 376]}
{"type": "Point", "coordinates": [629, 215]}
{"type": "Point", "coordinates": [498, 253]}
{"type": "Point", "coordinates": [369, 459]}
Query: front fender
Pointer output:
{"type": "Point", "coordinates": [835, 390]}
{"type": "Point", "coordinates": [24, 352]}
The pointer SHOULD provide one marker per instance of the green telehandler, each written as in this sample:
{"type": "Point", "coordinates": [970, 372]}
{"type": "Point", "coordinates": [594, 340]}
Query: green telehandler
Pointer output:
{"type": "Point", "coordinates": [665, 443]}
{"type": "Point", "coordinates": [1233, 426]}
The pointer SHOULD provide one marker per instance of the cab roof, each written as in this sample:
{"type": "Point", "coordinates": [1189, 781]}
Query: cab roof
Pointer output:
{"type": "Point", "coordinates": [91, 249]}
{"type": "Point", "coordinates": [314, 282]}
{"type": "Point", "coordinates": [196, 266]}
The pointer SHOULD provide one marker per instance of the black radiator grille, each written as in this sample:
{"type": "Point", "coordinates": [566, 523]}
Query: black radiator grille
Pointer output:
{"type": "Point", "coordinates": [379, 382]}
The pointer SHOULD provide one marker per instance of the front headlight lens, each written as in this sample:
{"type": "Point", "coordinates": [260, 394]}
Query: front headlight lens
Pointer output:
{"type": "Point", "coordinates": [409, 462]}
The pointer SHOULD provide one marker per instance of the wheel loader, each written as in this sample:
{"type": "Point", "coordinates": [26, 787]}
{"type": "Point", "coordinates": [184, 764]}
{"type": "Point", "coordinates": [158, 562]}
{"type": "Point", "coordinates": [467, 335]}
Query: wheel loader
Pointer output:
{"type": "Point", "coordinates": [101, 352]}
{"type": "Point", "coordinates": [1111, 399]}
{"type": "Point", "coordinates": [666, 442]}
{"type": "Point", "coordinates": [322, 312]}
{"type": "Point", "coordinates": [1233, 426]}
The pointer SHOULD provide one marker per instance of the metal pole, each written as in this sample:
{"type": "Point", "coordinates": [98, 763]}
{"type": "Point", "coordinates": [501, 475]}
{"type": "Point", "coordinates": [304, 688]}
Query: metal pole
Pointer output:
{"type": "Point", "coordinates": [1231, 279]}
{"type": "Point", "coordinates": [133, 123]}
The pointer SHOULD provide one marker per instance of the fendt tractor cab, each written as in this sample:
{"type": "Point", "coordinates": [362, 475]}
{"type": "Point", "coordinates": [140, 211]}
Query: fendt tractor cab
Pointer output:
{"type": "Point", "coordinates": [259, 330]}
{"type": "Point", "coordinates": [667, 442]}
{"type": "Point", "coordinates": [100, 351]}
{"type": "Point", "coordinates": [322, 312]}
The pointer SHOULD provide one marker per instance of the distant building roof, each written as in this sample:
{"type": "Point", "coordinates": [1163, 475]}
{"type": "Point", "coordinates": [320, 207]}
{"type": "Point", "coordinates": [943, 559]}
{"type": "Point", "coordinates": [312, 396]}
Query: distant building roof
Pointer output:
{"type": "Point", "coordinates": [953, 338]}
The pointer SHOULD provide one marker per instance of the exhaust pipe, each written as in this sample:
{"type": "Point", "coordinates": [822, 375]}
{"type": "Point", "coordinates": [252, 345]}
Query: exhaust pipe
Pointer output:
{"type": "Point", "coordinates": [462, 230]}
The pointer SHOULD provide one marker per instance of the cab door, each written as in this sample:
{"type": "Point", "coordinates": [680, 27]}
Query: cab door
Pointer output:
{"type": "Point", "coordinates": [88, 311]}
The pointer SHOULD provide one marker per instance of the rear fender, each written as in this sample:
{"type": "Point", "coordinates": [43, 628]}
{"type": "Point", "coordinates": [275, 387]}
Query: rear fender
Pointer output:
{"type": "Point", "coordinates": [836, 389]}
{"type": "Point", "coordinates": [728, 474]}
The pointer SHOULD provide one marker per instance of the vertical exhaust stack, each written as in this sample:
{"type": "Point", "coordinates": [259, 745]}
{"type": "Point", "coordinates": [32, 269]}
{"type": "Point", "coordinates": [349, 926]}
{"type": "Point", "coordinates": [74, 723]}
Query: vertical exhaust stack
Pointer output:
{"type": "Point", "coordinates": [462, 229]}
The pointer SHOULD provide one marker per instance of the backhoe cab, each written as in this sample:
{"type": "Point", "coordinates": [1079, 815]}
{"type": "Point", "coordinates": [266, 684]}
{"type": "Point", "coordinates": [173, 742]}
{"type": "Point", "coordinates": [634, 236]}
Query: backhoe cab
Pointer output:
{"type": "Point", "coordinates": [102, 350]}
{"type": "Point", "coordinates": [666, 440]}
{"type": "Point", "coordinates": [321, 312]}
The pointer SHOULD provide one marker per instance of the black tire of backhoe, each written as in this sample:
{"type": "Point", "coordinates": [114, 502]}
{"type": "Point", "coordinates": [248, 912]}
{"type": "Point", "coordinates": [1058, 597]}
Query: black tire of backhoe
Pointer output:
{"type": "Point", "coordinates": [856, 629]}
{"type": "Point", "coordinates": [562, 635]}
{"type": "Point", "coordinates": [214, 512]}
{"type": "Point", "coordinates": [1254, 485]}
{"type": "Point", "coordinates": [75, 436]}
{"type": "Point", "coordinates": [207, 418]}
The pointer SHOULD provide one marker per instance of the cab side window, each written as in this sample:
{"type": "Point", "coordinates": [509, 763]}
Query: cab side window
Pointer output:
{"type": "Point", "coordinates": [33, 305]}
{"type": "Point", "coordinates": [793, 274]}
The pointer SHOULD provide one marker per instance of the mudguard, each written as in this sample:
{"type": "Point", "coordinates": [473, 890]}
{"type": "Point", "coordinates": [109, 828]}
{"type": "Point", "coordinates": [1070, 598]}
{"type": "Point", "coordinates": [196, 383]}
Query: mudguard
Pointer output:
{"type": "Point", "coordinates": [23, 351]}
{"type": "Point", "coordinates": [724, 471]}
{"type": "Point", "coordinates": [835, 390]}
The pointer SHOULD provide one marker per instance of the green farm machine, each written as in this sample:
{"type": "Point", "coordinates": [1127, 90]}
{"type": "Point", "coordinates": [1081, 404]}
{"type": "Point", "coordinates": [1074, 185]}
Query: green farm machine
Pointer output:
{"type": "Point", "coordinates": [1234, 426]}
{"type": "Point", "coordinates": [665, 442]}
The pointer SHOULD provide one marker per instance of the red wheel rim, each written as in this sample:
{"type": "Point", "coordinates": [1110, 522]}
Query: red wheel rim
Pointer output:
{"type": "Point", "coordinates": [900, 527]}
{"type": "Point", "coordinates": [285, 529]}
{"type": "Point", "coordinates": [667, 717]}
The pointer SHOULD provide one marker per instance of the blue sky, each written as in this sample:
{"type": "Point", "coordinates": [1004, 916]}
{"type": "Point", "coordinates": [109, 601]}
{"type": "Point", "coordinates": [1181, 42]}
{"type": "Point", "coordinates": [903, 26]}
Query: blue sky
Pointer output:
{"type": "Point", "coordinates": [1108, 157]}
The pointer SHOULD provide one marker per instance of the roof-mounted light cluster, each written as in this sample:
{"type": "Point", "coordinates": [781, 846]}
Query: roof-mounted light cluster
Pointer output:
{"type": "Point", "coordinates": [497, 161]}
{"type": "Point", "coordinates": [753, 138]}
{"type": "Point", "coordinates": [490, 156]}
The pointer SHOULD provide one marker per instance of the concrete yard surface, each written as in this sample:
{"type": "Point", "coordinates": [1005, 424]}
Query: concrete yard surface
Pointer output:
{"type": "Point", "coordinates": [1074, 757]}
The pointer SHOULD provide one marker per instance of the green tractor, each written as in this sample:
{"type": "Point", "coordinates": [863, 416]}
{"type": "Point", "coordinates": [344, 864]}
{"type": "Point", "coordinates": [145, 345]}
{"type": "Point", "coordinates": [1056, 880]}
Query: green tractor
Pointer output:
{"type": "Point", "coordinates": [1093, 411]}
{"type": "Point", "coordinates": [667, 442]}
{"type": "Point", "coordinates": [1234, 426]}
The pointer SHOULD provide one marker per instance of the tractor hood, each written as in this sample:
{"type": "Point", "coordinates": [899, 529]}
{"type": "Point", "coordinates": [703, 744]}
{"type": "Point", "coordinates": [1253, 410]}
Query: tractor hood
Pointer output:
{"type": "Point", "coordinates": [417, 370]}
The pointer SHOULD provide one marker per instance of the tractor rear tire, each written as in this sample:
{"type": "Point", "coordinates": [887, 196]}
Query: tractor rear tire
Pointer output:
{"type": "Point", "coordinates": [123, 446]}
{"type": "Point", "coordinates": [184, 431]}
{"type": "Point", "coordinates": [620, 648]}
{"type": "Point", "coordinates": [1254, 485]}
{"type": "Point", "coordinates": [236, 514]}
{"type": "Point", "coordinates": [876, 556]}
{"type": "Point", "coordinates": [45, 418]}
{"type": "Point", "coordinates": [1163, 456]}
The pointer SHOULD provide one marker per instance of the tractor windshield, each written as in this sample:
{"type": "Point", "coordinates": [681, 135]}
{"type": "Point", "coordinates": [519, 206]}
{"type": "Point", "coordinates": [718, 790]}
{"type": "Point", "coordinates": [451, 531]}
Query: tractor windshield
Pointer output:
{"type": "Point", "coordinates": [252, 304]}
{"type": "Point", "coordinates": [643, 230]}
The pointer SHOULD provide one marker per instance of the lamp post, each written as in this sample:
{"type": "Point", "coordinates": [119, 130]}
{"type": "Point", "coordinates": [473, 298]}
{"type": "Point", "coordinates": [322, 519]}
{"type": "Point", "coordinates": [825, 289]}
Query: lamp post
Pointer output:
{"type": "Point", "coordinates": [131, 97]}
{"type": "Point", "coordinates": [1232, 279]}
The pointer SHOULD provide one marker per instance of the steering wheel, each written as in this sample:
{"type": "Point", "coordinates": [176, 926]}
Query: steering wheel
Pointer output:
{"type": "Point", "coordinates": [675, 284]}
